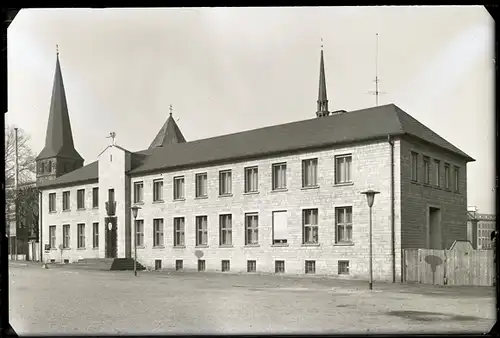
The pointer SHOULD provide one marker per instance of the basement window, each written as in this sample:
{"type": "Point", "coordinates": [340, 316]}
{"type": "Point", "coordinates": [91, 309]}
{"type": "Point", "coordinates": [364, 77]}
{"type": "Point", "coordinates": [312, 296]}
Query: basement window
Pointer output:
{"type": "Point", "coordinates": [179, 265]}
{"type": "Point", "coordinates": [158, 264]}
{"type": "Point", "coordinates": [225, 266]}
{"type": "Point", "coordinates": [251, 266]}
{"type": "Point", "coordinates": [201, 265]}
{"type": "Point", "coordinates": [279, 266]}
{"type": "Point", "coordinates": [343, 267]}
{"type": "Point", "coordinates": [310, 267]}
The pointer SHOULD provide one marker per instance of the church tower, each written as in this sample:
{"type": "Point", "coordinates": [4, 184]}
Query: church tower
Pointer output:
{"type": "Point", "coordinates": [168, 134]}
{"type": "Point", "coordinates": [59, 155]}
{"type": "Point", "coordinates": [322, 100]}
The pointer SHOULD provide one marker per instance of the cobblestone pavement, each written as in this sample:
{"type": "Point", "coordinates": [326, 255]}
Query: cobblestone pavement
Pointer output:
{"type": "Point", "coordinates": [69, 301]}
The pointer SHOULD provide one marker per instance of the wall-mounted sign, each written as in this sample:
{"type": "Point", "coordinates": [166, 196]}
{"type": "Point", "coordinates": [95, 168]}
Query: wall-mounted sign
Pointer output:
{"type": "Point", "coordinates": [110, 225]}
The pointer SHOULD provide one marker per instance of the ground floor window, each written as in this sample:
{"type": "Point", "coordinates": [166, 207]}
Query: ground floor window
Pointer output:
{"type": "Point", "coordinates": [310, 267]}
{"type": "Point", "coordinates": [343, 267]}
{"type": "Point", "coordinates": [279, 266]}
{"type": "Point", "coordinates": [158, 264]}
{"type": "Point", "coordinates": [201, 265]}
{"type": "Point", "coordinates": [179, 265]}
{"type": "Point", "coordinates": [225, 266]}
{"type": "Point", "coordinates": [251, 266]}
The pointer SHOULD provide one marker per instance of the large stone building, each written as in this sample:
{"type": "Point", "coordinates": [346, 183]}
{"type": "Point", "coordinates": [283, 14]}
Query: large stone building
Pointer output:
{"type": "Point", "coordinates": [479, 229]}
{"type": "Point", "coordinates": [285, 198]}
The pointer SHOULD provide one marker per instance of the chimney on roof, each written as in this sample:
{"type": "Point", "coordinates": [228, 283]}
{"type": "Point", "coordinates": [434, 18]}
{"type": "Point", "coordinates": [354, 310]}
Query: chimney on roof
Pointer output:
{"type": "Point", "coordinates": [338, 112]}
{"type": "Point", "coordinates": [322, 99]}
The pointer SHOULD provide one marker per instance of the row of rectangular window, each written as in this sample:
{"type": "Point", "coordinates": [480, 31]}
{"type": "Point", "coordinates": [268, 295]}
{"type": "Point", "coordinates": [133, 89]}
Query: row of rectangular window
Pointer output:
{"type": "Point", "coordinates": [436, 177]}
{"type": "Point", "coordinates": [80, 236]}
{"type": "Point", "coordinates": [251, 182]}
{"type": "Point", "coordinates": [343, 228]}
{"type": "Point", "coordinates": [80, 200]}
{"type": "Point", "coordinates": [279, 266]}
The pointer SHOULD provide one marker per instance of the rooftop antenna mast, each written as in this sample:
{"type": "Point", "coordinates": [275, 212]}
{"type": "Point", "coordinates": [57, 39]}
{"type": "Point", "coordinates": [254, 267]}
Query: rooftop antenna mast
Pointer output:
{"type": "Point", "coordinates": [377, 80]}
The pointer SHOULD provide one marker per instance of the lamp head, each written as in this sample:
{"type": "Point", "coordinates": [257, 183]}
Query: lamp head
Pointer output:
{"type": "Point", "coordinates": [135, 210]}
{"type": "Point", "coordinates": [370, 196]}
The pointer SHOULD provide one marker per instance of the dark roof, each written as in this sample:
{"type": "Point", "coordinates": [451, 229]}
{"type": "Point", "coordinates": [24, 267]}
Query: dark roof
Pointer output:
{"type": "Point", "coordinates": [352, 126]}
{"type": "Point", "coordinates": [87, 173]}
{"type": "Point", "coordinates": [355, 126]}
{"type": "Point", "coordinates": [59, 138]}
{"type": "Point", "coordinates": [168, 134]}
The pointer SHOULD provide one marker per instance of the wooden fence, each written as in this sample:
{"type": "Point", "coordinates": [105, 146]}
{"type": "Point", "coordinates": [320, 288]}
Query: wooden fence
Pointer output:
{"type": "Point", "coordinates": [460, 265]}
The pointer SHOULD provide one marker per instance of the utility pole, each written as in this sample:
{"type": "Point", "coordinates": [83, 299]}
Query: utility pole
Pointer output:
{"type": "Point", "coordinates": [377, 80]}
{"type": "Point", "coordinates": [16, 187]}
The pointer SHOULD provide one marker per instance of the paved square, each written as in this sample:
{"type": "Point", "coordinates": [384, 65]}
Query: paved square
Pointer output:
{"type": "Point", "coordinates": [62, 300]}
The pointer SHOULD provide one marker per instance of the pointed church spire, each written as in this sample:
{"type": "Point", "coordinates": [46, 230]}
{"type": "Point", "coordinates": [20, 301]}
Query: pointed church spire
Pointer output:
{"type": "Point", "coordinates": [59, 137]}
{"type": "Point", "coordinates": [169, 133]}
{"type": "Point", "coordinates": [322, 99]}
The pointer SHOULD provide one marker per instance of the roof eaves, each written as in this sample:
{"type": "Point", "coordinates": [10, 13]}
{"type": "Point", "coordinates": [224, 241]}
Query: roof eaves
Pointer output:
{"type": "Point", "coordinates": [138, 171]}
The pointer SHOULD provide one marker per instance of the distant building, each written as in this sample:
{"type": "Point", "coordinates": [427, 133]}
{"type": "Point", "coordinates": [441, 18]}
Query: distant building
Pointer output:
{"type": "Point", "coordinates": [285, 198]}
{"type": "Point", "coordinates": [486, 223]}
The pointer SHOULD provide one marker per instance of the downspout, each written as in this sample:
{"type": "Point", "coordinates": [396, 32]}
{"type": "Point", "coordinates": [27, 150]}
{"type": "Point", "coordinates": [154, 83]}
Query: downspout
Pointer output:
{"type": "Point", "coordinates": [393, 235]}
{"type": "Point", "coordinates": [40, 230]}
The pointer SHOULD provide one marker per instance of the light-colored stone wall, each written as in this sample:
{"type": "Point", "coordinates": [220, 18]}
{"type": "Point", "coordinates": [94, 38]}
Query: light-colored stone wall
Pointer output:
{"type": "Point", "coordinates": [417, 197]}
{"type": "Point", "coordinates": [370, 170]}
{"type": "Point", "coordinates": [72, 217]}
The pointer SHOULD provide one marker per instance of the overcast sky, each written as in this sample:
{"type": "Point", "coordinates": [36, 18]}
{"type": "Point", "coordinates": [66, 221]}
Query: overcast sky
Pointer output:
{"type": "Point", "coordinates": [226, 70]}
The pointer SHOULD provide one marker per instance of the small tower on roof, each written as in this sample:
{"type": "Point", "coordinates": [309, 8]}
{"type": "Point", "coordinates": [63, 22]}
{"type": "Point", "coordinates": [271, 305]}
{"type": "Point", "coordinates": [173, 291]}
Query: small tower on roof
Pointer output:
{"type": "Point", "coordinates": [322, 98]}
{"type": "Point", "coordinates": [168, 134]}
{"type": "Point", "coordinates": [59, 155]}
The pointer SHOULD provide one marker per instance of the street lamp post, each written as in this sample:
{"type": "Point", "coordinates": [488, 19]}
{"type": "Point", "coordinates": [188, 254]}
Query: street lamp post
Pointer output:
{"type": "Point", "coordinates": [135, 210]}
{"type": "Point", "coordinates": [370, 197]}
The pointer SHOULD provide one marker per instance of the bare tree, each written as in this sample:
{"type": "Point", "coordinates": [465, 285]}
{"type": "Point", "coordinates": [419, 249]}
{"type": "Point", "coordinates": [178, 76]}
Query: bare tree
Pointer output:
{"type": "Point", "coordinates": [26, 157]}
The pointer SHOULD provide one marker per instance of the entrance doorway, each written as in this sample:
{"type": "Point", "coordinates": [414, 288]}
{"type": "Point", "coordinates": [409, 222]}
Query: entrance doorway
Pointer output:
{"type": "Point", "coordinates": [111, 237]}
{"type": "Point", "coordinates": [435, 233]}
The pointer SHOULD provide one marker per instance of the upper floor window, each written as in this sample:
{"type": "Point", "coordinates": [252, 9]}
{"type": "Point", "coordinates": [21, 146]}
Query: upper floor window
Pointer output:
{"type": "Point", "coordinates": [251, 179]}
{"type": "Point", "coordinates": [225, 230]}
{"type": "Point", "coordinates": [158, 190]}
{"type": "Point", "coordinates": [447, 176]}
{"type": "Point", "coordinates": [343, 169]}
{"type": "Point", "coordinates": [65, 200]}
{"type": "Point", "coordinates": [66, 236]}
{"type": "Point", "coordinates": [251, 228]}
{"type": "Point", "coordinates": [95, 197]}
{"type": "Point", "coordinates": [201, 185]}
{"type": "Point", "coordinates": [437, 173]}
{"type": "Point", "coordinates": [179, 188]}
{"type": "Point", "coordinates": [139, 226]}
{"type": "Point", "coordinates": [158, 232]}
{"type": "Point", "coordinates": [456, 181]}
{"type": "Point", "coordinates": [179, 231]}
{"type": "Point", "coordinates": [201, 230]}
{"type": "Point", "coordinates": [279, 176]}
{"type": "Point", "coordinates": [427, 170]}
{"type": "Point", "coordinates": [310, 172]}
{"type": "Point", "coordinates": [52, 202]}
{"type": "Point", "coordinates": [414, 166]}
{"type": "Point", "coordinates": [138, 192]}
{"type": "Point", "coordinates": [52, 236]}
{"type": "Point", "coordinates": [80, 199]}
{"type": "Point", "coordinates": [225, 182]}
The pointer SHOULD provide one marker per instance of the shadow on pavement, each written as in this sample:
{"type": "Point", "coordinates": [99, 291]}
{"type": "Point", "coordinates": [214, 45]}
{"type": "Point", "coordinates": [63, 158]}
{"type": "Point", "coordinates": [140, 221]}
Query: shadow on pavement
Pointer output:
{"type": "Point", "coordinates": [425, 316]}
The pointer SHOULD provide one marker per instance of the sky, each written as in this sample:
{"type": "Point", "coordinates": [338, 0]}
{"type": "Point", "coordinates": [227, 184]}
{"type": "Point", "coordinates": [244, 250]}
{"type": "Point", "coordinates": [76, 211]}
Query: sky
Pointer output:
{"type": "Point", "coordinates": [226, 70]}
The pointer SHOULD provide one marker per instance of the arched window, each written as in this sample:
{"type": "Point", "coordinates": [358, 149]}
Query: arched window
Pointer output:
{"type": "Point", "coordinates": [50, 167]}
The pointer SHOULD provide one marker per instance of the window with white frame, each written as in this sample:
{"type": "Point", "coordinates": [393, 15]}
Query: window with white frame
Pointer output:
{"type": "Point", "coordinates": [201, 185]}
{"type": "Point", "coordinates": [447, 176]}
{"type": "Point", "coordinates": [158, 232]}
{"type": "Point", "coordinates": [414, 166]}
{"type": "Point", "coordinates": [310, 226]}
{"type": "Point", "coordinates": [343, 225]}
{"type": "Point", "coordinates": [52, 202]}
{"type": "Point", "coordinates": [225, 230]}
{"type": "Point", "coordinates": [80, 199]}
{"type": "Point", "coordinates": [437, 173]}
{"type": "Point", "coordinates": [251, 179]}
{"type": "Point", "coordinates": [427, 170]}
{"type": "Point", "coordinates": [52, 236]}
{"type": "Point", "coordinates": [343, 171]}
{"type": "Point", "coordinates": [280, 227]}
{"type": "Point", "coordinates": [158, 190]}
{"type": "Point", "coordinates": [179, 225]}
{"type": "Point", "coordinates": [456, 180]}
{"type": "Point", "coordinates": [65, 201]}
{"type": "Point", "coordinates": [201, 230]}
{"type": "Point", "coordinates": [95, 197]}
{"type": "Point", "coordinates": [279, 176]}
{"type": "Point", "coordinates": [139, 228]}
{"type": "Point", "coordinates": [251, 228]}
{"type": "Point", "coordinates": [95, 235]}
{"type": "Point", "coordinates": [138, 192]}
{"type": "Point", "coordinates": [225, 182]}
{"type": "Point", "coordinates": [179, 188]}
{"type": "Point", "coordinates": [81, 236]}
{"type": "Point", "coordinates": [310, 173]}
{"type": "Point", "coordinates": [66, 237]}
